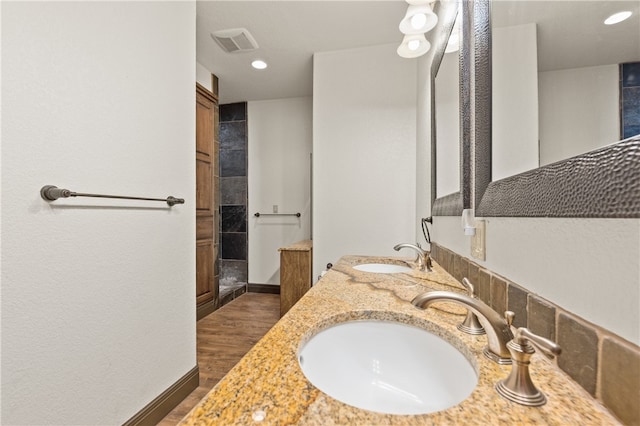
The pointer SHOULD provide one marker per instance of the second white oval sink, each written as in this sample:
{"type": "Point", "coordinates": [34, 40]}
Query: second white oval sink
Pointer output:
{"type": "Point", "coordinates": [387, 367]}
{"type": "Point", "coordinates": [382, 268]}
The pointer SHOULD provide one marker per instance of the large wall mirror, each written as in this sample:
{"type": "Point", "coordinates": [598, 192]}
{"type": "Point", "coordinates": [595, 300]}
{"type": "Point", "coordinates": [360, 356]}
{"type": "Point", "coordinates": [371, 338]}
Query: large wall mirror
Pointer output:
{"type": "Point", "coordinates": [564, 89]}
{"type": "Point", "coordinates": [450, 125]}
{"type": "Point", "coordinates": [447, 115]}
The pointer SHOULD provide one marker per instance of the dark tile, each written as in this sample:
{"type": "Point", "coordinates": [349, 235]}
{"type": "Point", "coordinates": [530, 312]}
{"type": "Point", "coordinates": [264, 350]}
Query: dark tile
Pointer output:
{"type": "Point", "coordinates": [454, 264]}
{"type": "Point", "coordinates": [631, 131]}
{"type": "Point", "coordinates": [240, 291]}
{"type": "Point", "coordinates": [579, 357]}
{"type": "Point", "coordinates": [216, 189]}
{"type": "Point", "coordinates": [498, 295]}
{"type": "Point", "coordinates": [233, 190]}
{"type": "Point", "coordinates": [216, 157]}
{"type": "Point", "coordinates": [541, 317]}
{"type": "Point", "coordinates": [517, 302]}
{"type": "Point", "coordinates": [620, 380]}
{"type": "Point", "coordinates": [483, 286]}
{"type": "Point", "coordinates": [474, 270]}
{"type": "Point", "coordinates": [234, 245]}
{"type": "Point", "coordinates": [233, 135]}
{"type": "Point", "coordinates": [460, 267]}
{"type": "Point", "coordinates": [233, 163]}
{"type": "Point", "coordinates": [434, 252]}
{"type": "Point", "coordinates": [226, 297]}
{"type": "Point", "coordinates": [233, 272]}
{"type": "Point", "coordinates": [447, 260]}
{"type": "Point", "coordinates": [631, 74]}
{"type": "Point", "coordinates": [631, 111]}
{"type": "Point", "coordinates": [233, 112]}
{"type": "Point", "coordinates": [442, 252]}
{"type": "Point", "coordinates": [234, 219]}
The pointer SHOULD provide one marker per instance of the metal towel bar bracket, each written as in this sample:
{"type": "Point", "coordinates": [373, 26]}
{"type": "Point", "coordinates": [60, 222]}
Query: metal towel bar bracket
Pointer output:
{"type": "Point", "coordinates": [277, 214]}
{"type": "Point", "coordinates": [52, 193]}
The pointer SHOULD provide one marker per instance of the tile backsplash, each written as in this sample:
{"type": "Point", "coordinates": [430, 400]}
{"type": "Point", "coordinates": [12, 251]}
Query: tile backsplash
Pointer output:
{"type": "Point", "coordinates": [604, 364]}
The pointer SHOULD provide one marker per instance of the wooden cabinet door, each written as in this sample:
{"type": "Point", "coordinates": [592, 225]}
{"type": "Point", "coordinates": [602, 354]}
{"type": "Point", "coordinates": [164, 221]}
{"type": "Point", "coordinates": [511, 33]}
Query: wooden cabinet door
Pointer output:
{"type": "Point", "coordinates": [206, 198]}
{"type": "Point", "coordinates": [295, 273]}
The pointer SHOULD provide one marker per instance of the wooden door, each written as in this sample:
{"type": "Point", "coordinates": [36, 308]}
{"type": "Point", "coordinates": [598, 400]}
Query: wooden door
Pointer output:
{"type": "Point", "coordinates": [207, 200]}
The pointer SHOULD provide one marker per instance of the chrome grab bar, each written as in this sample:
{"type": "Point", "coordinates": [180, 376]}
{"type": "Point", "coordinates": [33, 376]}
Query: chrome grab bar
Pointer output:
{"type": "Point", "coordinates": [52, 193]}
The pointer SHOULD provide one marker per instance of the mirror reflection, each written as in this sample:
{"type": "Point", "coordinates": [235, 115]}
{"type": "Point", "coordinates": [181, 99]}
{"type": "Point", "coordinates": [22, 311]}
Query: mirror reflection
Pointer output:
{"type": "Point", "coordinates": [447, 117]}
{"type": "Point", "coordinates": [557, 80]}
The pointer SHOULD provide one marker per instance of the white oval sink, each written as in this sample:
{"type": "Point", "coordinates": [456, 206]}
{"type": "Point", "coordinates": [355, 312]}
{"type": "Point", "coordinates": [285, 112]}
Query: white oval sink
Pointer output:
{"type": "Point", "coordinates": [382, 268]}
{"type": "Point", "coordinates": [387, 367]}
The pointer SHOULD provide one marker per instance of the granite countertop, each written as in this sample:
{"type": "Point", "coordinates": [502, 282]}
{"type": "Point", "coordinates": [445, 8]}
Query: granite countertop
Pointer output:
{"type": "Point", "coordinates": [304, 245]}
{"type": "Point", "coordinates": [268, 387]}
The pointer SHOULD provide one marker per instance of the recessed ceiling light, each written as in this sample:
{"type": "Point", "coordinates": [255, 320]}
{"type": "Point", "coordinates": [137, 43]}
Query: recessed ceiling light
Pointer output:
{"type": "Point", "coordinates": [617, 17]}
{"type": "Point", "coordinates": [259, 64]}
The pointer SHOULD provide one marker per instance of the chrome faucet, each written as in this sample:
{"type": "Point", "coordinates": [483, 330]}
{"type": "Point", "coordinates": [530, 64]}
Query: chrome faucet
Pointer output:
{"type": "Point", "coordinates": [423, 260]}
{"type": "Point", "coordinates": [498, 328]}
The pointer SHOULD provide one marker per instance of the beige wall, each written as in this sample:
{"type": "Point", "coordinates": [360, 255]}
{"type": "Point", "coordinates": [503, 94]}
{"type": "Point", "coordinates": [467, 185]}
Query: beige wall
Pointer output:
{"type": "Point", "coordinates": [364, 153]}
{"type": "Point", "coordinates": [98, 312]}
{"type": "Point", "coordinates": [279, 139]}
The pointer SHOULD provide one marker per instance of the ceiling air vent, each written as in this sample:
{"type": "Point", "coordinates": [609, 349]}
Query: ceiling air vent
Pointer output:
{"type": "Point", "coordinates": [235, 40]}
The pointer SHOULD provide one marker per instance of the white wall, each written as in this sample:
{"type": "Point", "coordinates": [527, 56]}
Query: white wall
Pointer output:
{"type": "Point", "coordinates": [514, 108]}
{"type": "Point", "coordinates": [364, 153]}
{"type": "Point", "coordinates": [590, 267]}
{"type": "Point", "coordinates": [579, 111]}
{"type": "Point", "coordinates": [279, 133]}
{"type": "Point", "coordinates": [203, 76]}
{"type": "Point", "coordinates": [98, 312]}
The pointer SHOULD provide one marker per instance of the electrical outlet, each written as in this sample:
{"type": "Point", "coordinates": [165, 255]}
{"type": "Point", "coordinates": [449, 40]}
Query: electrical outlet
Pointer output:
{"type": "Point", "coordinates": [275, 208]}
{"type": "Point", "coordinates": [478, 241]}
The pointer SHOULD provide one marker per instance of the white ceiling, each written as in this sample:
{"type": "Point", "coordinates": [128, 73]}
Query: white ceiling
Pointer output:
{"type": "Point", "coordinates": [570, 34]}
{"type": "Point", "coordinates": [288, 33]}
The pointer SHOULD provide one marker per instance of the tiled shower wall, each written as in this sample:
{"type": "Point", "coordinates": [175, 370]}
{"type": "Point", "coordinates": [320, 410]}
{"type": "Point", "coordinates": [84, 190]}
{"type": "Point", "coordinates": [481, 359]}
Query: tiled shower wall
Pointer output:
{"type": "Point", "coordinates": [604, 364]}
{"type": "Point", "coordinates": [630, 99]}
{"type": "Point", "coordinates": [233, 200]}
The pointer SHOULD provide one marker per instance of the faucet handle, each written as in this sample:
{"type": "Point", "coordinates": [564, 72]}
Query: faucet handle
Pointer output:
{"type": "Point", "coordinates": [468, 286]}
{"type": "Point", "coordinates": [518, 386]}
{"type": "Point", "coordinates": [508, 317]}
{"type": "Point", "coordinates": [523, 336]}
{"type": "Point", "coordinates": [471, 323]}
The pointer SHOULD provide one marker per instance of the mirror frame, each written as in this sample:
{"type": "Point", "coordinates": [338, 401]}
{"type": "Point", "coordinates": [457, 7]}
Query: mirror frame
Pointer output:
{"type": "Point", "coordinates": [451, 204]}
{"type": "Point", "coordinates": [475, 147]}
{"type": "Point", "coordinates": [603, 183]}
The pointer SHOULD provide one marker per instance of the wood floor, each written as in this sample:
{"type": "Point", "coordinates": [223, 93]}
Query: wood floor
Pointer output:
{"type": "Point", "coordinates": [223, 338]}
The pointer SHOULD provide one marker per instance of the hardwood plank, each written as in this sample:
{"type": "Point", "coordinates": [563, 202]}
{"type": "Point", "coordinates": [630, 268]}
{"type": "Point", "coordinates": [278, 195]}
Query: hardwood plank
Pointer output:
{"type": "Point", "coordinates": [223, 338]}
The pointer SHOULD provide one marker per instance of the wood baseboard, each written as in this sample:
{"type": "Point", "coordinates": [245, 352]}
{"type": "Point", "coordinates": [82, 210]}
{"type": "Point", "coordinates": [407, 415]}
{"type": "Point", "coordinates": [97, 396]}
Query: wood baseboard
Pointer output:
{"type": "Point", "coordinates": [263, 288]}
{"type": "Point", "coordinates": [157, 409]}
{"type": "Point", "coordinates": [205, 309]}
